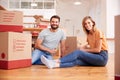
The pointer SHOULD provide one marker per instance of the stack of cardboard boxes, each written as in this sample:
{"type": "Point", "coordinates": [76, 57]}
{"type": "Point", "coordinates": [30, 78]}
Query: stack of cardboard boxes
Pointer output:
{"type": "Point", "coordinates": [15, 46]}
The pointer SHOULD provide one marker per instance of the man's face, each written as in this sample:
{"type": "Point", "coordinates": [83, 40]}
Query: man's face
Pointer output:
{"type": "Point", "coordinates": [54, 23]}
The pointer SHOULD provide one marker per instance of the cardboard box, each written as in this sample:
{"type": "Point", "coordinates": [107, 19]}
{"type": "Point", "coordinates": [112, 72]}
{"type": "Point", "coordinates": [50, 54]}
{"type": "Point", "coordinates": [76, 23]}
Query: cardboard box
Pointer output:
{"type": "Point", "coordinates": [11, 21]}
{"type": "Point", "coordinates": [11, 28]}
{"type": "Point", "coordinates": [71, 44]}
{"type": "Point", "coordinates": [117, 47]}
{"type": "Point", "coordinates": [15, 50]}
{"type": "Point", "coordinates": [2, 8]}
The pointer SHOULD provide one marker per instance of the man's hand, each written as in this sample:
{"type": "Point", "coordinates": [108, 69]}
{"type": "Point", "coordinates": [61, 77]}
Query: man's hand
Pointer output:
{"type": "Point", "coordinates": [53, 51]}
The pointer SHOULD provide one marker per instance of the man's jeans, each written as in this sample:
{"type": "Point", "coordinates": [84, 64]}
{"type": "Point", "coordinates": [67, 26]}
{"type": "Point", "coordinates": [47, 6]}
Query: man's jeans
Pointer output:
{"type": "Point", "coordinates": [37, 54]}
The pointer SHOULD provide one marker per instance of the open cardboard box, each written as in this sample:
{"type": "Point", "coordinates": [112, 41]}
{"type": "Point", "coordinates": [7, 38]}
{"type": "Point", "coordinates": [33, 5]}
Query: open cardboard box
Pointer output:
{"type": "Point", "coordinates": [71, 44]}
{"type": "Point", "coordinates": [11, 20]}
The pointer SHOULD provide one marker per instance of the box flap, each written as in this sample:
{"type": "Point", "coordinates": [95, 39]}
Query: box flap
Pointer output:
{"type": "Point", "coordinates": [2, 8]}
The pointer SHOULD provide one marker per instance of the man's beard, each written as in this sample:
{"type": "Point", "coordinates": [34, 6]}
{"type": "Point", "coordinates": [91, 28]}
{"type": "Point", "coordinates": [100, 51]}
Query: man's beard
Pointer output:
{"type": "Point", "coordinates": [54, 28]}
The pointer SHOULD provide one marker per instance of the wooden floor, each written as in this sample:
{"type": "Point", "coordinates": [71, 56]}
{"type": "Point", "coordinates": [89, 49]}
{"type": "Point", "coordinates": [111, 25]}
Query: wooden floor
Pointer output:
{"type": "Point", "coordinates": [37, 72]}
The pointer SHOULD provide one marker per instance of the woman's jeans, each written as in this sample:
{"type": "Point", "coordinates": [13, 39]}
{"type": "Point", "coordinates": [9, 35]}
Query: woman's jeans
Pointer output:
{"type": "Point", "coordinates": [83, 58]}
{"type": "Point", "coordinates": [37, 54]}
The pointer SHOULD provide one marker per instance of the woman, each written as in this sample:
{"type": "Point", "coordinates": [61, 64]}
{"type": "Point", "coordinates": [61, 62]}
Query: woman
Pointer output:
{"type": "Point", "coordinates": [95, 53]}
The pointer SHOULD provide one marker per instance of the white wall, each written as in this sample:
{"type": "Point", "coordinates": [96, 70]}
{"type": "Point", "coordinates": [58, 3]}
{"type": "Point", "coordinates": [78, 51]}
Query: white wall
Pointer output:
{"type": "Point", "coordinates": [98, 12]}
{"type": "Point", "coordinates": [113, 9]}
{"type": "Point", "coordinates": [71, 16]}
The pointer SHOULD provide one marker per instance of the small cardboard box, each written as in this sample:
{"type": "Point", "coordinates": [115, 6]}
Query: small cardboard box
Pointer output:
{"type": "Point", "coordinates": [11, 21]}
{"type": "Point", "coordinates": [15, 50]}
{"type": "Point", "coordinates": [71, 44]}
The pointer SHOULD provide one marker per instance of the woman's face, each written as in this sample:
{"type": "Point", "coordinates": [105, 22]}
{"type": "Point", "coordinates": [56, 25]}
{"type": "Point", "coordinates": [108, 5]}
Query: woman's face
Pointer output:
{"type": "Point", "coordinates": [88, 24]}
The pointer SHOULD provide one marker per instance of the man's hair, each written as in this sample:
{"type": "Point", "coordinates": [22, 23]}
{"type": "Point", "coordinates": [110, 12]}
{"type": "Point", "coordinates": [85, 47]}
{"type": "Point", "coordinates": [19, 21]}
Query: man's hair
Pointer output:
{"type": "Point", "coordinates": [55, 16]}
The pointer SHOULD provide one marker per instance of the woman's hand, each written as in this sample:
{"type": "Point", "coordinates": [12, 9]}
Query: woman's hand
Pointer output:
{"type": "Point", "coordinates": [83, 48]}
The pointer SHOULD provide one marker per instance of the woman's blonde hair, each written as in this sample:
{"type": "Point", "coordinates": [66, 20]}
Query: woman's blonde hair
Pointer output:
{"type": "Point", "coordinates": [83, 24]}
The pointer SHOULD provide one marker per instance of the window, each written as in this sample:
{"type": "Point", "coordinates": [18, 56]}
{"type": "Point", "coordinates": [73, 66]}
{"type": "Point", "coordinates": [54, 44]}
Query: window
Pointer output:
{"type": "Point", "coordinates": [26, 4]}
{"type": "Point", "coordinates": [49, 5]}
{"type": "Point", "coordinates": [14, 4]}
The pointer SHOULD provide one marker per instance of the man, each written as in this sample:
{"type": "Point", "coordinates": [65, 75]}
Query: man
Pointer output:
{"type": "Point", "coordinates": [48, 41]}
